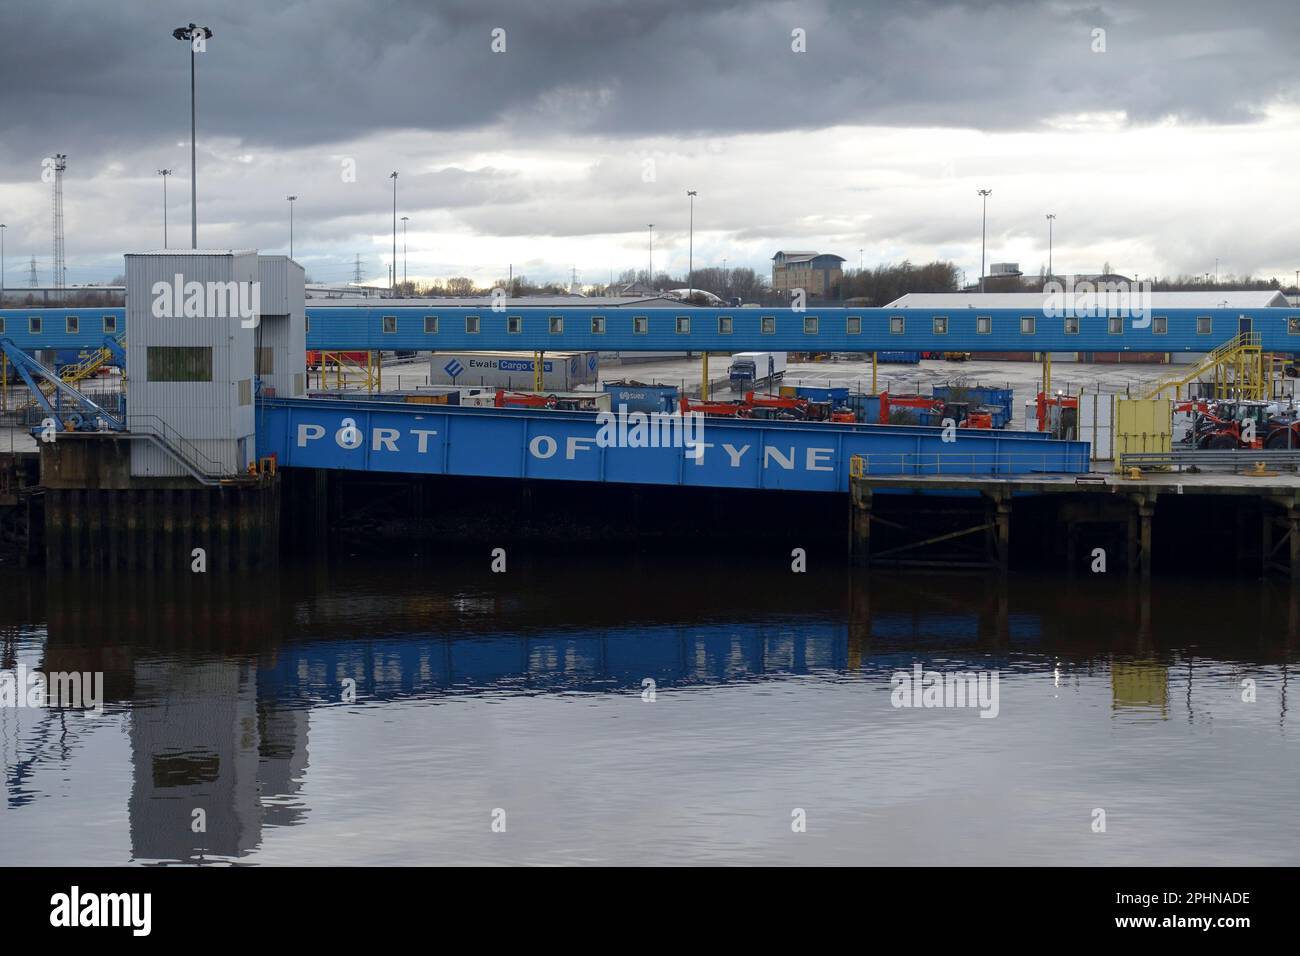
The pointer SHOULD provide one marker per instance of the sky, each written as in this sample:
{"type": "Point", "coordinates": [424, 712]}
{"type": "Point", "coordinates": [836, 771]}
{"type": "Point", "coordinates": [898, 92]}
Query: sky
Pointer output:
{"type": "Point", "coordinates": [1162, 134]}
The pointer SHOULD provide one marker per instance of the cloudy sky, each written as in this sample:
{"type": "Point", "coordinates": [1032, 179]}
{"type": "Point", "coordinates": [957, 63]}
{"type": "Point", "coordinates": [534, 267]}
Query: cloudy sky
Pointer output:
{"type": "Point", "coordinates": [1164, 134]}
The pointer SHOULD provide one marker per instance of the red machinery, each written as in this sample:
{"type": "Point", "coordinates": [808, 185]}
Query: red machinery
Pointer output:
{"type": "Point", "coordinates": [920, 403]}
{"type": "Point", "coordinates": [1224, 425]}
{"type": "Point", "coordinates": [1053, 409]}
{"type": "Point", "coordinates": [567, 403]}
{"type": "Point", "coordinates": [718, 409]}
{"type": "Point", "coordinates": [506, 399]}
{"type": "Point", "coordinates": [771, 407]}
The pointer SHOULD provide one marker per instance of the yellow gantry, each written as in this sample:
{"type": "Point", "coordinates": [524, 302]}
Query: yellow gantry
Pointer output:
{"type": "Point", "coordinates": [1238, 369]}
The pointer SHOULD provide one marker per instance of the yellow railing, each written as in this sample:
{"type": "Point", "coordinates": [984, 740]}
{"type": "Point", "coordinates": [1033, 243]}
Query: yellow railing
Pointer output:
{"type": "Point", "coordinates": [75, 373]}
{"type": "Point", "coordinates": [1238, 367]}
{"type": "Point", "coordinates": [348, 373]}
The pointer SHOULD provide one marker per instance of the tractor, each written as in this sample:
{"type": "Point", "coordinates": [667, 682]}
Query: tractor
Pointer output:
{"type": "Point", "coordinates": [1236, 424]}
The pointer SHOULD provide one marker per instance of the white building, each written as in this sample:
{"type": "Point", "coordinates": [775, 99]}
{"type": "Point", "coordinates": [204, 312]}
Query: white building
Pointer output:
{"type": "Point", "coordinates": [201, 322]}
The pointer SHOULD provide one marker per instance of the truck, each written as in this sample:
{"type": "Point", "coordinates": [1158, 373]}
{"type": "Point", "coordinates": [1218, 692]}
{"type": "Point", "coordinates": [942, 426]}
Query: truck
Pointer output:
{"type": "Point", "coordinates": [751, 370]}
{"type": "Point", "coordinates": [561, 371]}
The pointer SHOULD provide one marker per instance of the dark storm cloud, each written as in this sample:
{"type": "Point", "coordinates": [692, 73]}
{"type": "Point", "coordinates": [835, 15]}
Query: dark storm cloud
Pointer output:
{"type": "Point", "coordinates": [102, 75]}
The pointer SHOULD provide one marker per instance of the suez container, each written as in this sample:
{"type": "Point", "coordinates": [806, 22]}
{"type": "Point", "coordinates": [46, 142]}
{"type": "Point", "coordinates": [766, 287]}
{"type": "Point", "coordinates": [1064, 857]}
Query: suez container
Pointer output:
{"type": "Point", "coordinates": [561, 371]}
{"type": "Point", "coordinates": [639, 397]}
{"type": "Point", "coordinates": [751, 369]}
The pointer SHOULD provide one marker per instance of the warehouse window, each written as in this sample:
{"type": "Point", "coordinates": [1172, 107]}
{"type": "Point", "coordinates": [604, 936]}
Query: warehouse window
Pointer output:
{"type": "Point", "coordinates": [110, 323]}
{"type": "Point", "coordinates": [683, 325]}
{"type": "Point", "coordinates": [34, 325]}
{"type": "Point", "coordinates": [940, 324]}
{"type": "Point", "coordinates": [1115, 325]}
{"type": "Point", "coordinates": [1204, 325]}
{"type": "Point", "coordinates": [597, 325]}
{"type": "Point", "coordinates": [724, 325]}
{"type": "Point", "coordinates": [178, 363]}
{"type": "Point", "coordinates": [72, 324]}
{"type": "Point", "coordinates": [471, 325]}
{"type": "Point", "coordinates": [640, 325]}
{"type": "Point", "coordinates": [1159, 325]}
{"type": "Point", "coordinates": [983, 324]}
{"type": "Point", "coordinates": [768, 325]}
{"type": "Point", "coordinates": [1292, 325]}
{"type": "Point", "coordinates": [245, 391]}
{"type": "Point", "coordinates": [810, 325]}
{"type": "Point", "coordinates": [557, 325]}
{"type": "Point", "coordinates": [514, 324]}
{"type": "Point", "coordinates": [1027, 325]}
{"type": "Point", "coordinates": [430, 325]}
{"type": "Point", "coordinates": [1071, 325]}
{"type": "Point", "coordinates": [264, 360]}
{"type": "Point", "coordinates": [853, 325]}
{"type": "Point", "coordinates": [390, 323]}
{"type": "Point", "coordinates": [896, 325]}
{"type": "Point", "coordinates": [2, 325]}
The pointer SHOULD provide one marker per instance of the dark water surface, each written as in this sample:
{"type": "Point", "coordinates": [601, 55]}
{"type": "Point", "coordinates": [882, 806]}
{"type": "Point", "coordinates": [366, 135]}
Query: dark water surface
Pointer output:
{"type": "Point", "coordinates": [523, 693]}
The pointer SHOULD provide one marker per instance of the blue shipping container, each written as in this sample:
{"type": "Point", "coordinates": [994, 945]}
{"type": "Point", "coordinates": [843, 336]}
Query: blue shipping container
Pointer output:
{"type": "Point", "coordinates": [642, 398]}
{"type": "Point", "coordinates": [836, 396]}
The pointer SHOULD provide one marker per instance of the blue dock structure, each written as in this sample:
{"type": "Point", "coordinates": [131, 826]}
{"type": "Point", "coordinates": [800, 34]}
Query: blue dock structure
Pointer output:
{"type": "Point", "coordinates": [217, 416]}
{"type": "Point", "coordinates": [567, 446]}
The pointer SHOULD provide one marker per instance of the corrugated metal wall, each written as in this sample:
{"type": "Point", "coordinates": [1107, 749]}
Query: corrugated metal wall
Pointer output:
{"type": "Point", "coordinates": [283, 326]}
{"type": "Point", "coordinates": [209, 415]}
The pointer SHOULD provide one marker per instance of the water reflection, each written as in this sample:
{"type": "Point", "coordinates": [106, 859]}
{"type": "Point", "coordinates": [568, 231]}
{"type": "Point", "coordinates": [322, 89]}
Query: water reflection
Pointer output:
{"type": "Point", "coordinates": [214, 682]}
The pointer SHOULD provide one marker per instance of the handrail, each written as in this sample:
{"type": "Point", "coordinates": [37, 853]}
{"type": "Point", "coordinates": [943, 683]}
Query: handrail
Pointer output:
{"type": "Point", "coordinates": [999, 463]}
{"type": "Point", "coordinates": [200, 476]}
{"type": "Point", "coordinates": [1242, 340]}
{"type": "Point", "coordinates": [172, 435]}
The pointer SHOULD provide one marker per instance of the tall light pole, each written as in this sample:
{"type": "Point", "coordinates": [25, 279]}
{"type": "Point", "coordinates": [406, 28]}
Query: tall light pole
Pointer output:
{"type": "Point", "coordinates": [164, 173]}
{"type": "Point", "coordinates": [984, 231]}
{"type": "Point", "coordinates": [690, 256]}
{"type": "Point", "coordinates": [405, 219]}
{"type": "Point", "coordinates": [650, 282]}
{"type": "Point", "coordinates": [197, 38]}
{"type": "Point", "coordinates": [3, 227]}
{"type": "Point", "coordinates": [1051, 218]}
{"type": "Point", "coordinates": [291, 202]}
{"type": "Point", "coordinates": [392, 282]}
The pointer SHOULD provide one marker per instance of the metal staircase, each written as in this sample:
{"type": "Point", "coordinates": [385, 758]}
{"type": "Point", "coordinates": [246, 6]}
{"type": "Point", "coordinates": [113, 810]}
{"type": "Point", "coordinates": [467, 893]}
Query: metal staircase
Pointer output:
{"type": "Point", "coordinates": [1238, 367]}
{"type": "Point", "coordinates": [112, 349]}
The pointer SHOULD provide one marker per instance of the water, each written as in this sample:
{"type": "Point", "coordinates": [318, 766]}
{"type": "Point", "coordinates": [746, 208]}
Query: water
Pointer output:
{"type": "Point", "coordinates": [523, 693]}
